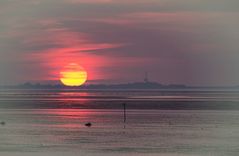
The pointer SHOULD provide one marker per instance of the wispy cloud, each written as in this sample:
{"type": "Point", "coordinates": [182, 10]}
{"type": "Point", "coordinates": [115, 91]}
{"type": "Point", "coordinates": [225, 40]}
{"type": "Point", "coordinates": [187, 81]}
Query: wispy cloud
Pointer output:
{"type": "Point", "coordinates": [120, 39]}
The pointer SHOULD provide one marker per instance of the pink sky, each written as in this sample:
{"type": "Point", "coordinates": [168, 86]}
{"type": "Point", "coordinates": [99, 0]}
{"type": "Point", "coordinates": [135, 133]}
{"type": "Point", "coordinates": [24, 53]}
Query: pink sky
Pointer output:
{"type": "Point", "coordinates": [175, 41]}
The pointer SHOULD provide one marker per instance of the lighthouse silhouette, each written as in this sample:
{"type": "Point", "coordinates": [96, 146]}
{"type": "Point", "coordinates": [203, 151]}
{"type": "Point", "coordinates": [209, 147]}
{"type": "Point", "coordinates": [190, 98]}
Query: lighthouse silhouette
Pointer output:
{"type": "Point", "coordinates": [146, 79]}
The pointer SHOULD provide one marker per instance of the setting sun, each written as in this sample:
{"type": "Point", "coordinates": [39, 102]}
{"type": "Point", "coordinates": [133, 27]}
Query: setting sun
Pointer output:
{"type": "Point", "coordinates": [73, 75]}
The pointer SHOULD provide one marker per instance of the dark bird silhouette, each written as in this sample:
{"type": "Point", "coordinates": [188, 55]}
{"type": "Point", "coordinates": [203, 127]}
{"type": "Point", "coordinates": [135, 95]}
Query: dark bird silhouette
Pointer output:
{"type": "Point", "coordinates": [88, 124]}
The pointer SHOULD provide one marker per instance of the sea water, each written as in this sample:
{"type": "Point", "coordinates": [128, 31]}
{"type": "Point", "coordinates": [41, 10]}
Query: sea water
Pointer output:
{"type": "Point", "coordinates": [53, 123]}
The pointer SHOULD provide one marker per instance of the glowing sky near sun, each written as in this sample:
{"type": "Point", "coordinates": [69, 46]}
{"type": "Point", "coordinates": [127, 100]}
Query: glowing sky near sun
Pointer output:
{"type": "Point", "coordinates": [187, 42]}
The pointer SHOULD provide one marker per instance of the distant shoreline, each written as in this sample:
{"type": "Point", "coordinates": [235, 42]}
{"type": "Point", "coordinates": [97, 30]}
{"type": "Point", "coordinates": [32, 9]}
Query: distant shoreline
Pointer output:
{"type": "Point", "coordinates": [126, 86]}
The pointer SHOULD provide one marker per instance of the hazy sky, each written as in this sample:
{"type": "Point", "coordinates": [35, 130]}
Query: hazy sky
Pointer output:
{"type": "Point", "coordinates": [193, 42]}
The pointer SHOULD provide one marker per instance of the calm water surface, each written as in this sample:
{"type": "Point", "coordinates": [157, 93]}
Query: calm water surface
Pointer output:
{"type": "Point", "coordinates": [152, 131]}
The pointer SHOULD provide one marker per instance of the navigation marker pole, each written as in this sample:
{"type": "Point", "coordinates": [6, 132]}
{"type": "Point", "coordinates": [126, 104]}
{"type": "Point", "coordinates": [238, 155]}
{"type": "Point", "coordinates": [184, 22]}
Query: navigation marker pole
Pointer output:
{"type": "Point", "coordinates": [124, 105]}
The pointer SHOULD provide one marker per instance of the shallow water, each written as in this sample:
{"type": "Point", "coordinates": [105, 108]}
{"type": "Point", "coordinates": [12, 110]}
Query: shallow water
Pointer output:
{"type": "Point", "coordinates": [159, 123]}
{"type": "Point", "coordinates": [146, 132]}
{"type": "Point", "coordinates": [113, 99]}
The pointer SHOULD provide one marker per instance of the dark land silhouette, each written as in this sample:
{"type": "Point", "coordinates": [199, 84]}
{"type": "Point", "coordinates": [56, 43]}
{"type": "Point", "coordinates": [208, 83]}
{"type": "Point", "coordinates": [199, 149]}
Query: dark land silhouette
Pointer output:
{"type": "Point", "coordinates": [133, 85]}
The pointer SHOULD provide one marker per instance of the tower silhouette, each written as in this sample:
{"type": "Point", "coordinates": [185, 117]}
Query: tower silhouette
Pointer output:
{"type": "Point", "coordinates": [146, 80]}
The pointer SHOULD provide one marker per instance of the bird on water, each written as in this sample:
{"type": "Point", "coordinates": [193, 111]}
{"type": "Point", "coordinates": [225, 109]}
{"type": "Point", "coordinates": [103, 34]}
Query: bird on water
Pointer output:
{"type": "Point", "coordinates": [88, 124]}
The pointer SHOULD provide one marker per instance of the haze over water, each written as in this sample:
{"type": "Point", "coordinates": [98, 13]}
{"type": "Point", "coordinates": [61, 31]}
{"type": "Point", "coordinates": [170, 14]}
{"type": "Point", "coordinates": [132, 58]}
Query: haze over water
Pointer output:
{"type": "Point", "coordinates": [165, 123]}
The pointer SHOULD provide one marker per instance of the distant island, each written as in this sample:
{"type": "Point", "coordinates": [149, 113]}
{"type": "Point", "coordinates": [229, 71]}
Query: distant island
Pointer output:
{"type": "Point", "coordinates": [133, 85]}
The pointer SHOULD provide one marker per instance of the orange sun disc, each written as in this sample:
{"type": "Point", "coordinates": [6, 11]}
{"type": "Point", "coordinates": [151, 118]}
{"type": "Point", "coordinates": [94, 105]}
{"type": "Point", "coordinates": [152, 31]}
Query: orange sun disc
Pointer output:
{"type": "Point", "coordinates": [73, 75]}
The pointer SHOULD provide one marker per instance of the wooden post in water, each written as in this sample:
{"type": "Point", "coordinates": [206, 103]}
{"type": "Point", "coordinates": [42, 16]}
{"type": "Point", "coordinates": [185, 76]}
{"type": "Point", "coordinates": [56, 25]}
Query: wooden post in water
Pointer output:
{"type": "Point", "coordinates": [124, 105]}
